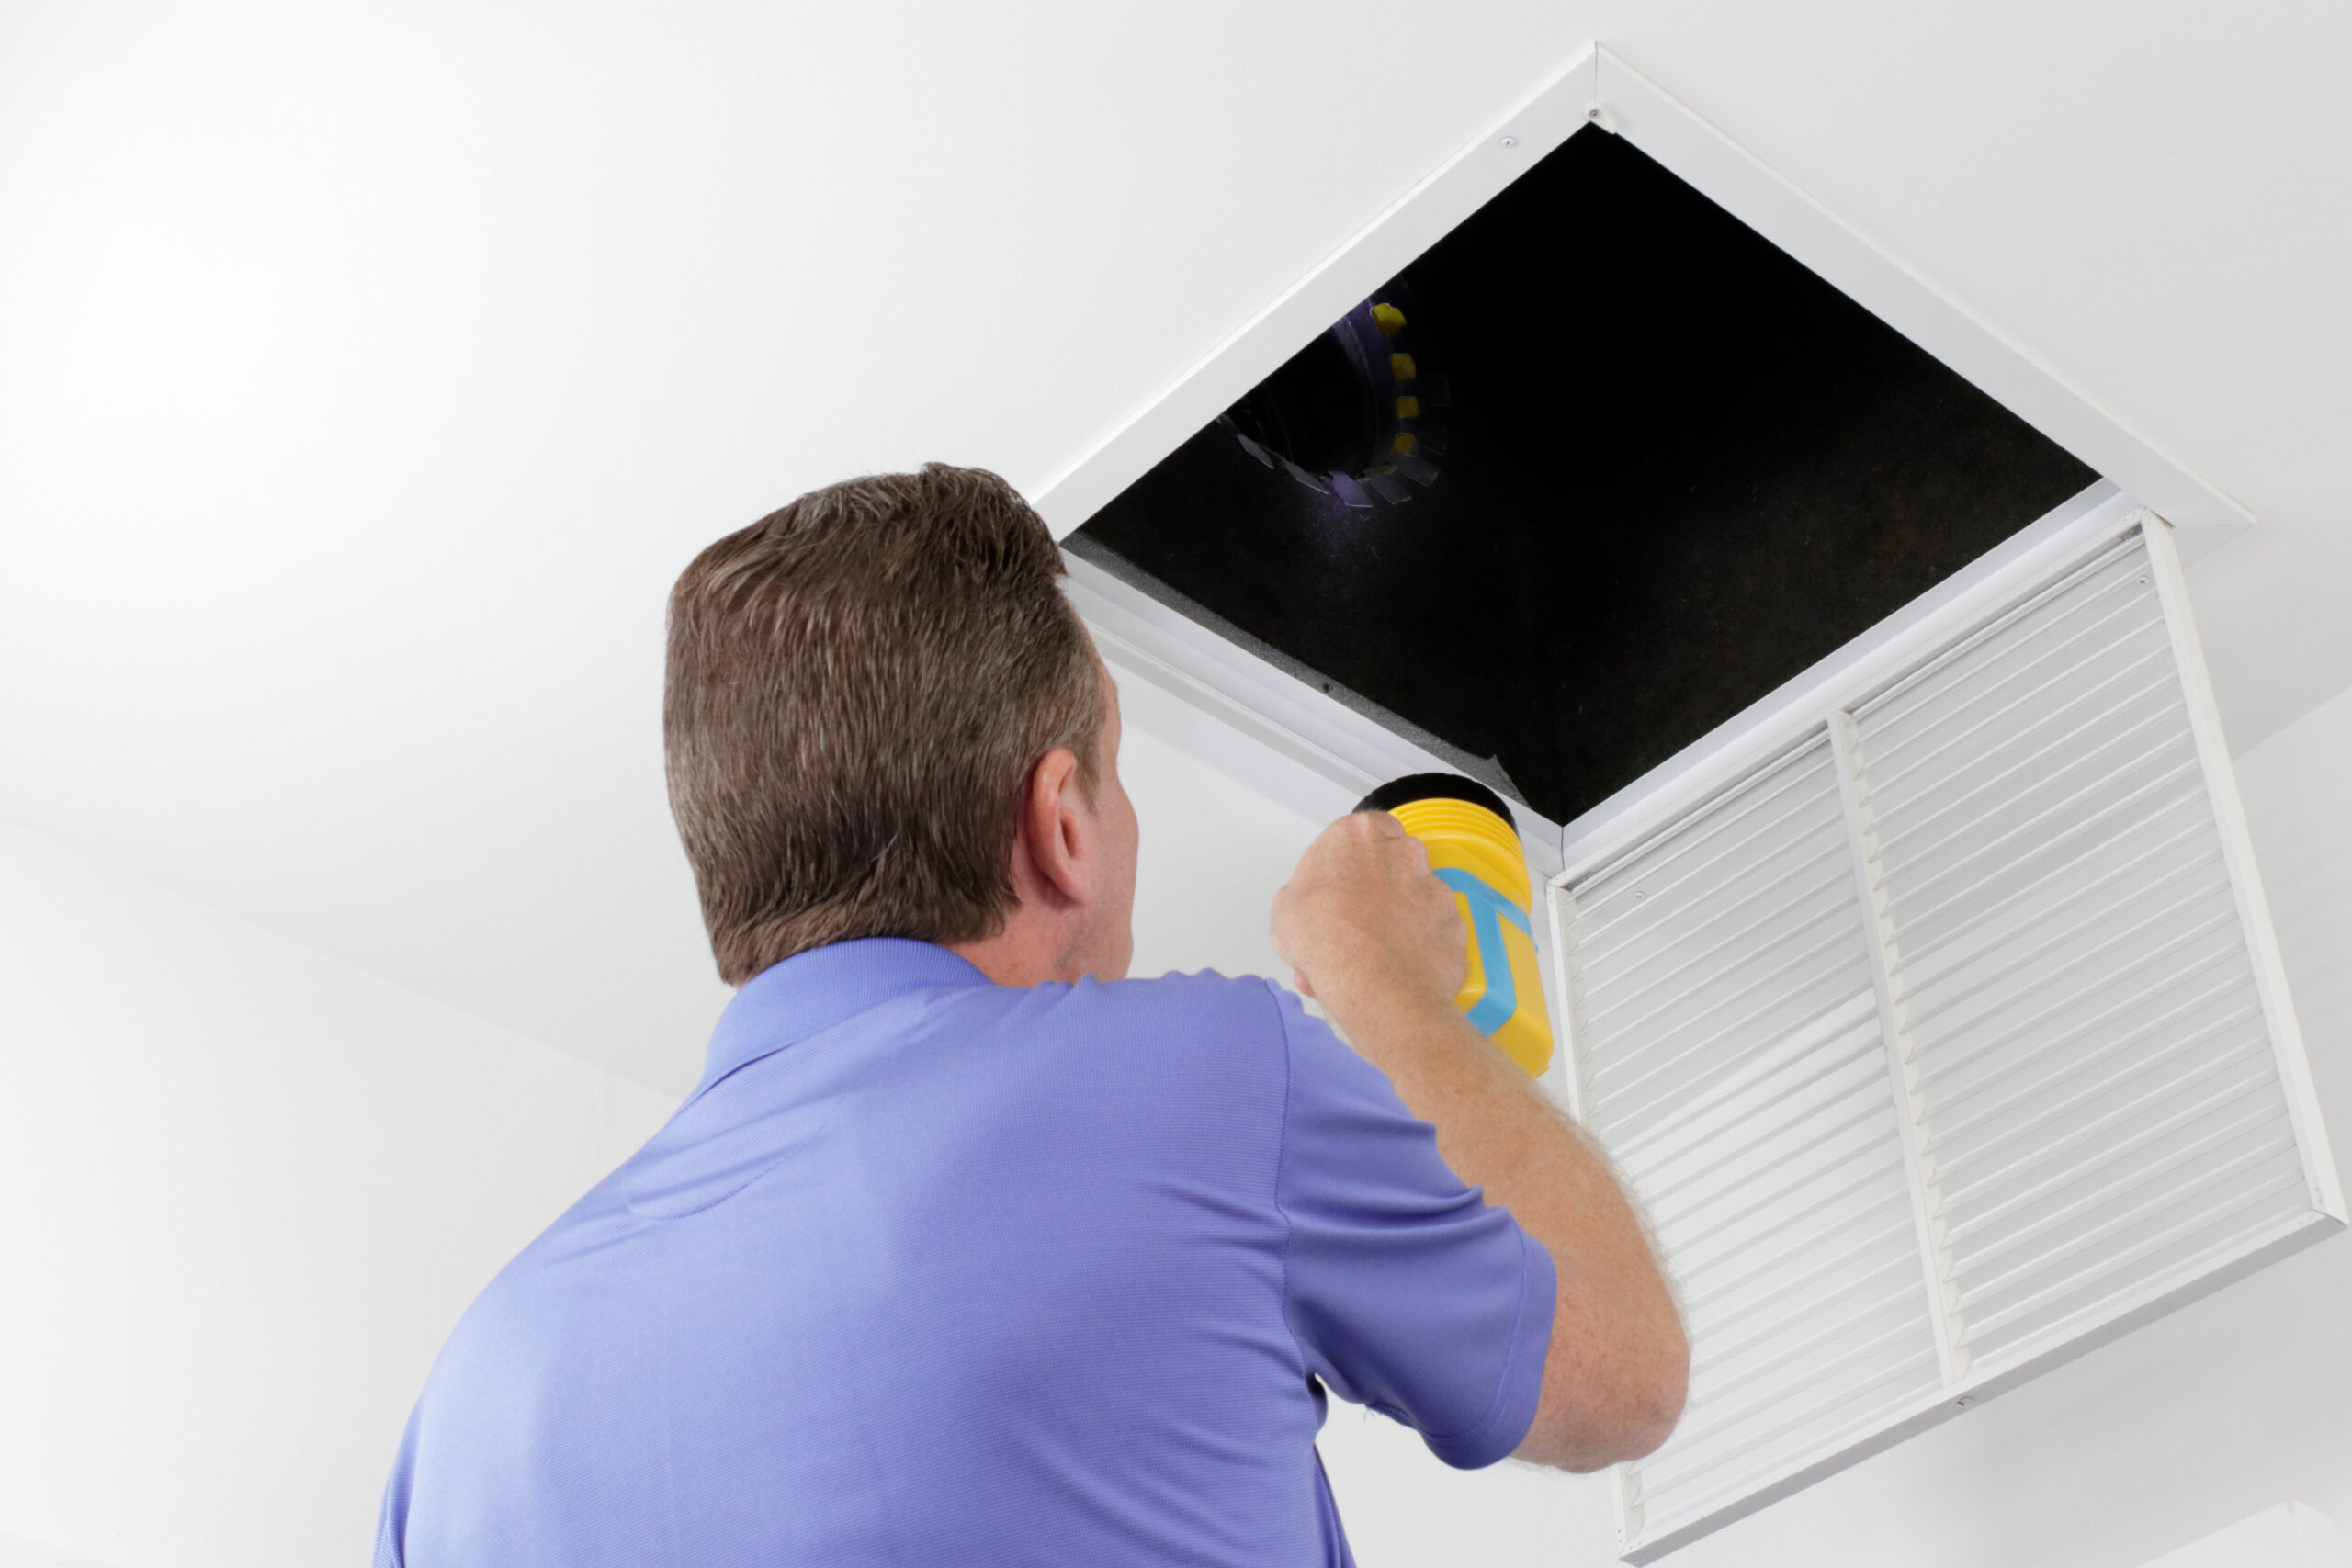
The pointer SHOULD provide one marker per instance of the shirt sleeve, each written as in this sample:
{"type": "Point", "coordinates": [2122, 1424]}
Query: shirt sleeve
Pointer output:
{"type": "Point", "coordinates": [1406, 1290]}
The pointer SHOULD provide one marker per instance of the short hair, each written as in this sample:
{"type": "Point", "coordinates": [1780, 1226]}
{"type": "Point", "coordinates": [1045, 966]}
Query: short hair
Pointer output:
{"type": "Point", "coordinates": [858, 687]}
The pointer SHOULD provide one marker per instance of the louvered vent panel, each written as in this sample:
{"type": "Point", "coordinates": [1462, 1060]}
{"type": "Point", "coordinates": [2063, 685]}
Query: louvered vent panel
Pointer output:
{"type": "Point", "coordinates": [2101, 1103]}
{"type": "Point", "coordinates": [1733, 1062]}
{"type": "Point", "coordinates": [1946, 1044]}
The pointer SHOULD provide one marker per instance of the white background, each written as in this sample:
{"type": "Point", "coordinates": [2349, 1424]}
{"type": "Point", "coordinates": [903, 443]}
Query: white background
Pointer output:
{"type": "Point", "coordinates": [366, 374]}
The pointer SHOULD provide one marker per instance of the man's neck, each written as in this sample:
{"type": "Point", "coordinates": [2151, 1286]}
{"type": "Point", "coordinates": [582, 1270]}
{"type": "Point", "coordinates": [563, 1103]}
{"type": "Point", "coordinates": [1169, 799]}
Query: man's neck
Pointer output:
{"type": "Point", "coordinates": [1030, 949]}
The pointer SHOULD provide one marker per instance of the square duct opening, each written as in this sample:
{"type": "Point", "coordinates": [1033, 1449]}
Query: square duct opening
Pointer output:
{"type": "Point", "coordinates": [1636, 467]}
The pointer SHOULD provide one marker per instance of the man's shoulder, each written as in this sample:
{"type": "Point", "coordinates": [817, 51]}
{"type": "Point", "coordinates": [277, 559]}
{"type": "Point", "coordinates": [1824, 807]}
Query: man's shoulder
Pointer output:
{"type": "Point", "coordinates": [1169, 1027]}
{"type": "Point", "coordinates": [1202, 1004]}
{"type": "Point", "coordinates": [1204, 988]}
{"type": "Point", "coordinates": [1223, 1024]}
{"type": "Point", "coordinates": [1218, 1020]}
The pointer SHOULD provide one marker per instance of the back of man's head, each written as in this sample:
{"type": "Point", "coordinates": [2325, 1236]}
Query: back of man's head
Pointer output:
{"type": "Point", "coordinates": [858, 687]}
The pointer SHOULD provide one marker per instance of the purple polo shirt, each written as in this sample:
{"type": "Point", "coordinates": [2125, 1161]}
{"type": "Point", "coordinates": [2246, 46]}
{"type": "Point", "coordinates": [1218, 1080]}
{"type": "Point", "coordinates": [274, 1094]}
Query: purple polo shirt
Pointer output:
{"type": "Point", "coordinates": [929, 1270]}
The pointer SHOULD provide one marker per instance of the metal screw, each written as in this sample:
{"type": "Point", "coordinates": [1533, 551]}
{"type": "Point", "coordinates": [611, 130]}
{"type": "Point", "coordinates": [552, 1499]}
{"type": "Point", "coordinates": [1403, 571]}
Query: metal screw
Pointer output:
{"type": "Point", "coordinates": [1510, 141]}
{"type": "Point", "coordinates": [2143, 582]}
{"type": "Point", "coordinates": [1963, 1402]}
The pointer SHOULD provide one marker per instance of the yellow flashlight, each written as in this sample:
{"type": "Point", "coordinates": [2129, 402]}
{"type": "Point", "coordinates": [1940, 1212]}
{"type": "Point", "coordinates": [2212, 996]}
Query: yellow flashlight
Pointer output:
{"type": "Point", "coordinates": [1474, 848]}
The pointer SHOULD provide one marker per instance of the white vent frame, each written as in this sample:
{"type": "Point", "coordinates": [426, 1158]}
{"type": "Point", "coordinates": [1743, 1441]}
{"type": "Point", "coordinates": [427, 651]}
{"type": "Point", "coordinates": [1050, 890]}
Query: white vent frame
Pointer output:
{"type": "Point", "coordinates": [1819, 702]}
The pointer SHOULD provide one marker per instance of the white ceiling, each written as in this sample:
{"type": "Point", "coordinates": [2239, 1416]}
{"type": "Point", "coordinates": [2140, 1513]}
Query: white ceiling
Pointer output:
{"type": "Point", "coordinates": [365, 375]}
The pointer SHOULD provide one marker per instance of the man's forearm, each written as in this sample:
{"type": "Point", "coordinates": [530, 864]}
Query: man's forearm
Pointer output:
{"type": "Point", "coordinates": [1614, 1382]}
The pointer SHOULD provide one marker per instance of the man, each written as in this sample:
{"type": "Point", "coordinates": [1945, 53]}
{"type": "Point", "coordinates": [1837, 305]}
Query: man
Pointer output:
{"type": "Point", "coordinates": [967, 1250]}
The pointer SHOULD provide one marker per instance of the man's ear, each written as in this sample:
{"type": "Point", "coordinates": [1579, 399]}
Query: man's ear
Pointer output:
{"type": "Point", "coordinates": [1053, 842]}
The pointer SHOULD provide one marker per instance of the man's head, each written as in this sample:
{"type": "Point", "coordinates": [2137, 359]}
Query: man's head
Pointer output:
{"type": "Point", "coordinates": [883, 718]}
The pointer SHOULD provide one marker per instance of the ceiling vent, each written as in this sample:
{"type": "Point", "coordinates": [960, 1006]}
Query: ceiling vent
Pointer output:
{"type": "Point", "coordinates": [1949, 1041]}
{"type": "Point", "coordinates": [1907, 945]}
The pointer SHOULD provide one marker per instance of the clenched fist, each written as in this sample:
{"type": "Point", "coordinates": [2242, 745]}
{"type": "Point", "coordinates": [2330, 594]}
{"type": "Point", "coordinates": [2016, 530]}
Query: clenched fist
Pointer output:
{"type": "Point", "coordinates": [1364, 916]}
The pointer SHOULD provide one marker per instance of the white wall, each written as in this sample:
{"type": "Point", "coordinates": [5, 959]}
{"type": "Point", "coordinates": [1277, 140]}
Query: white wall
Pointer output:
{"type": "Point", "coordinates": [249, 1190]}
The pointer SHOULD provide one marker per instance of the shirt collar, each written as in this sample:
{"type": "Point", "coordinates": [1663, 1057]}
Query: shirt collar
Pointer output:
{"type": "Point", "coordinates": [812, 991]}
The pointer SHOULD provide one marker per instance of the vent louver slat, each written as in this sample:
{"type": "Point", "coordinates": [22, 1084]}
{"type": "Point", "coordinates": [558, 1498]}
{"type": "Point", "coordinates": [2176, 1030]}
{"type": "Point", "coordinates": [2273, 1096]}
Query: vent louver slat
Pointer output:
{"type": "Point", "coordinates": [1944, 1042]}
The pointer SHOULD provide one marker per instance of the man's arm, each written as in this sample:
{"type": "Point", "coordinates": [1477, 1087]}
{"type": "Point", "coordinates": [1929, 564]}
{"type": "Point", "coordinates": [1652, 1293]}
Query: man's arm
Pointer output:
{"type": "Point", "coordinates": [1375, 937]}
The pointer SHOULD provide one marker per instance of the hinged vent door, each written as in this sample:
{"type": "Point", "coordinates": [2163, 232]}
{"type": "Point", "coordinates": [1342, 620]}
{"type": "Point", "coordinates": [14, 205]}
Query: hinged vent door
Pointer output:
{"type": "Point", "coordinates": [1945, 1045]}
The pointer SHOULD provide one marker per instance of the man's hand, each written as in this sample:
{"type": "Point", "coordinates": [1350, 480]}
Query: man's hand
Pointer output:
{"type": "Point", "coordinates": [1379, 941]}
{"type": "Point", "coordinates": [1362, 910]}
